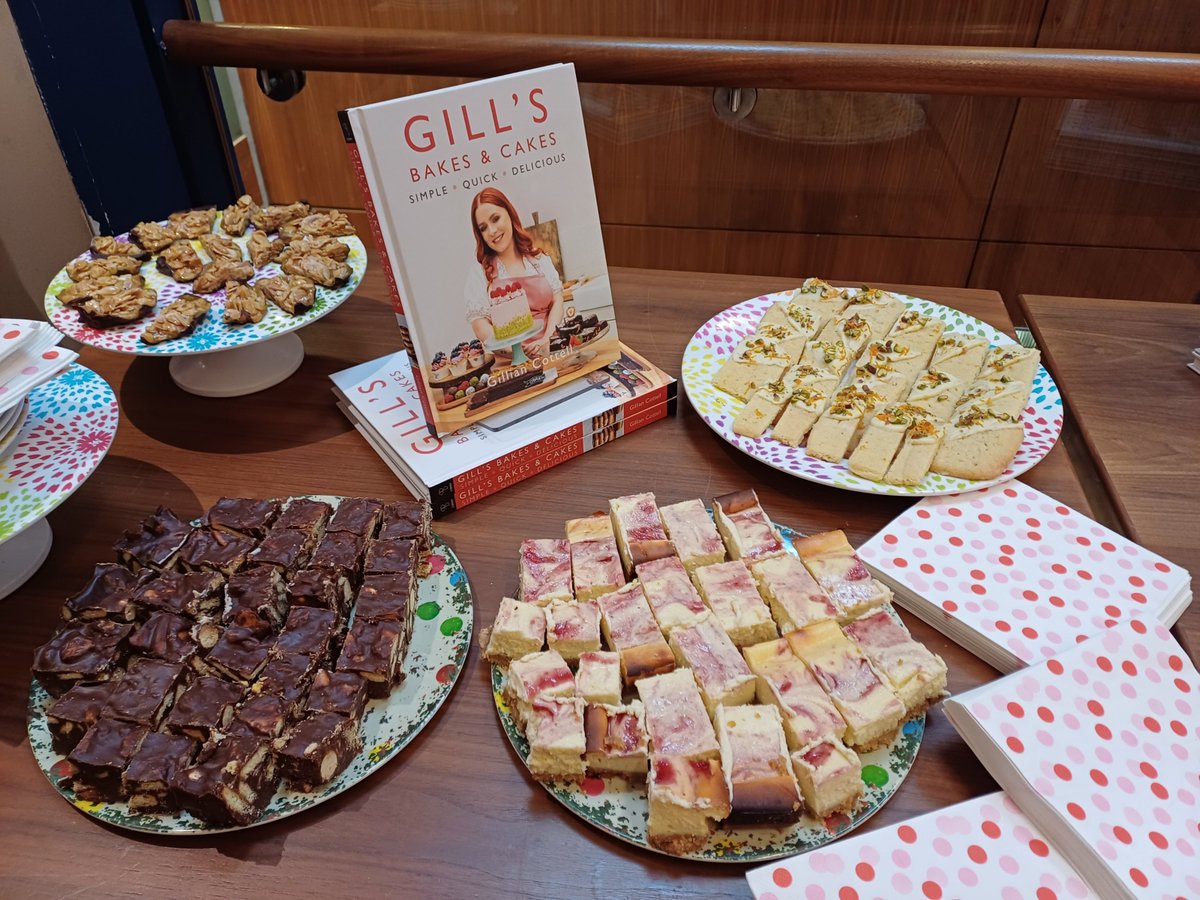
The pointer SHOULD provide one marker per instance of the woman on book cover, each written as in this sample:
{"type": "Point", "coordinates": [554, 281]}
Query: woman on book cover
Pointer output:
{"type": "Point", "coordinates": [505, 250]}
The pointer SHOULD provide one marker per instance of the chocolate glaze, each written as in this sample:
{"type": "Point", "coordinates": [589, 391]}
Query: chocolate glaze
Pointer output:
{"type": "Point", "coordinates": [145, 692]}
{"type": "Point", "coordinates": [305, 515]}
{"type": "Point", "coordinates": [206, 705]}
{"type": "Point", "coordinates": [243, 516]}
{"type": "Point", "coordinates": [185, 593]}
{"type": "Point", "coordinates": [155, 542]}
{"type": "Point", "coordinates": [89, 650]}
{"type": "Point", "coordinates": [389, 557]}
{"type": "Point", "coordinates": [219, 550]}
{"type": "Point", "coordinates": [107, 595]}
{"type": "Point", "coordinates": [308, 630]}
{"type": "Point", "coordinates": [165, 636]}
{"type": "Point", "coordinates": [344, 693]}
{"type": "Point", "coordinates": [384, 597]}
{"type": "Point", "coordinates": [239, 653]}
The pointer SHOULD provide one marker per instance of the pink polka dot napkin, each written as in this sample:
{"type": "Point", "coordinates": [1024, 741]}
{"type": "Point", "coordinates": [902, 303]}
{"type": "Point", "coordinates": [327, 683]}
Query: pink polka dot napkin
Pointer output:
{"type": "Point", "coordinates": [1015, 577]}
{"type": "Point", "coordinates": [1100, 747]}
{"type": "Point", "coordinates": [31, 357]}
{"type": "Point", "coordinates": [981, 848]}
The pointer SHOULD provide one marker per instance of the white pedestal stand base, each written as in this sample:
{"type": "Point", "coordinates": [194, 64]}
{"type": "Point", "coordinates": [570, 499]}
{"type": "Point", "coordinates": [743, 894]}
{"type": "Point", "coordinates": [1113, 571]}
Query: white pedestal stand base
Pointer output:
{"type": "Point", "coordinates": [241, 370]}
{"type": "Point", "coordinates": [23, 555]}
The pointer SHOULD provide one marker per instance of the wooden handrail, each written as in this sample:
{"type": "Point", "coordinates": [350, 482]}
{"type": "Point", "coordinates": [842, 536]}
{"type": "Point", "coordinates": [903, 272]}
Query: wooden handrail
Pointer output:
{"type": "Point", "coordinates": [890, 68]}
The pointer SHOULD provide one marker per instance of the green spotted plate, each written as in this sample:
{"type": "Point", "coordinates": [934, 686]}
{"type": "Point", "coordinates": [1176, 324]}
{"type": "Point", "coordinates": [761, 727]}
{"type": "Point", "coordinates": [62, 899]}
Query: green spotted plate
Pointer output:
{"type": "Point", "coordinates": [436, 654]}
{"type": "Point", "coordinates": [619, 806]}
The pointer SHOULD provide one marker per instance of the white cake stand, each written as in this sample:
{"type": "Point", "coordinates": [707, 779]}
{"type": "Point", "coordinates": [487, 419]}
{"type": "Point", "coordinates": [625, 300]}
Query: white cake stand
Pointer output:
{"type": "Point", "coordinates": [215, 360]}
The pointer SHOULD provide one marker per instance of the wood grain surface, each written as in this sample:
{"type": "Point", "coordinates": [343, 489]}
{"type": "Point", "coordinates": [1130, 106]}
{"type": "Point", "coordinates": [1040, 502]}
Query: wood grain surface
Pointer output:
{"type": "Point", "coordinates": [456, 814]}
{"type": "Point", "coordinates": [1121, 366]}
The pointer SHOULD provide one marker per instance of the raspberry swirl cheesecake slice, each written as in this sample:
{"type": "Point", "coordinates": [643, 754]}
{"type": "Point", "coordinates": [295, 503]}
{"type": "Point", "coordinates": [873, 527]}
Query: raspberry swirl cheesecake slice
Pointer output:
{"type": "Point", "coordinates": [841, 574]}
{"type": "Point", "coordinates": [544, 571]}
{"type": "Point", "coordinates": [639, 530]}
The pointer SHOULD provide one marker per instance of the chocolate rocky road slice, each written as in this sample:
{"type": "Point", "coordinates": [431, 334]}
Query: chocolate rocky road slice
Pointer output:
{"type": "Point", "coordinates": [178, 318]}
{"type": "Point", "coordinates": [84, 269]}
{"type": "Point", "coordinates": [146, 780]}
{"type": "Point", "coordinates": [324, 271]}
{"type": "Point", "coordinates": [145, 692]}
{"type": "Point", "coordinates": [192, 223]}
{"type": "Point", "coordinates": [207, 705]}
{"type": "Point", "coordinates": [167, 637]}
{"type": "Point", "coordinates": [98, 286]}
{"type": "Point", "coordinates": [344, 693]}
{"type": "Point", "coordinates": [331, 223]}
{"type": "Point", "coordinates": [191, 594]}
{"type": "Point", "coordinates": [294, 294]}
{"type": "Point", "coordinates": [216, 275]}
{"type": "Point", "coordinates": [81, 651]}
{"type": "Point", "coordinates": [262, 248]}
{"type": "Point", "coordinates": [113, 310]}
{"type": "Point", "coordinates": [105, 245]}
{"type": "Point", "coordinates": [245, 304]}
{"type": "Point", "coordinates": [155, 544]}
{"type": "Point", "coordinates": [108, 595]}
{"type": "Point", "coordinates": [373, 650]}
{"type": "Point", "coordinates": [180, 261]}
{"type": "Point", "coordinates": [272, 217]}
{"type": "Point", "coordinates": [242, 515]}
{"type": "Point", "coordinates": [220, 248]}
{"type": "Point", "coordinates": [99, 759]}
{"type": "Point", "coordinates": [232, 780]}
{"type": "Point", "coordinates": [71, 715]}
{"type": "Point", "coordinates": [317, 749]}
{"type": "Point", "coordinates": [235, 218]}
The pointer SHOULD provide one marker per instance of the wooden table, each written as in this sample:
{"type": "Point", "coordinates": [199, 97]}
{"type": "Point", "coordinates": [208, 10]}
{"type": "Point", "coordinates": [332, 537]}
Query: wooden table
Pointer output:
{"type": "Point", "coordinates": [456, 814]}
{"type": "Point", "coordinates": [1121, 366]}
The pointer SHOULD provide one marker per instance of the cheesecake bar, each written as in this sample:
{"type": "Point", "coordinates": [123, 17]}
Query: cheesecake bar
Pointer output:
{"type": "Point", "coordinates": [146, 780]}
{"type": "Point", "coordinates": [830, 777]}
{"type": "Point", "coordinates": [538, 675]}
{"type": "Point", "coordinates": [71, 715]}
{"type": "Point", "coordinates": [101, 756]}
{"type": "Point", "coordinates": [544, 571]}
{"type": "Point", "coordinates": [686, 797]}
{"type": "Point", "coordinates": [167, 637]}
{"type": "Point", "coordinates": [615, 737]}
{"type": "Point", "coordinates": [241, 515]}
{"type": "Point", "coordinates": [205, 706]}
{"type": "Point", "coordinates": [691, 529]}
{"type": "Point", "coordinates": [107, 595]}
{"type": "Point", "coordinates": [357, 515]}
{"type": "Point", "coordinates": [754, 756]}
{"type": "Point", "coordinates": [916, 674]}
{"type": "Point", "coordinates": [676, 719]}
{"type": "Point", "coordinates": [595, 527]}
{"type": "Point", "coordinates": [556, 739]}
{"type": "Point", "coordinates": [742, 522]}
{"type": "Point", "coordinates": [596, 566]}
{"type": "Point", "coordinates": [573, 628]}
{"type": "Point", "coordinates": [191, 594]}
{"type": "Point", "coordinates": [344, 693]}
{"type": "Point", "coordinates": [728, 589]}
{"type": "Point", "coordinates": [639, 530]}
{"type": "Point", "coordinates": [519, 629]}
{"type": "Point", "coordinates": [783, 680]}
{"type": "Point", "coordinates": [374, 650]}
{"type": "Point", "coordinates": [871, 709]}
{"type": "Point", "coordinates": [240, 654]}
{"type": "Point", "coordinates": [792, 593]}
{"type": "Point", "coordinates": [598, 677]}
{"type": "Point", "coordinates": [629, 628]}
{"type": "Point", "coordinates": [155, 543]}
{"type": "Point", "coordinates": [215, 551]}
{"type": "Point", "coordinates": [840, 573]}
{"type": "Point", "coordinates": [721, 673]}
{"type": "Point", "coordinates": [670, 593]}
{"type": "Point", "coordinates": [317, 749]}
{"type": "Point", "coordinates": [81, 651]}
{"type": "Point", "coordinates": [231, 782]}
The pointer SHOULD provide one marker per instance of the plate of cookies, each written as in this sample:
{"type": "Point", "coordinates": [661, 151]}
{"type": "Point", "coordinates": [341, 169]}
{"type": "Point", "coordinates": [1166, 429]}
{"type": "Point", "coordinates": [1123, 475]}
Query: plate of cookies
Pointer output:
{"type": "Point", "coordinates": [708, 684]}
{"type": "Point", "coordinates": [872, 391]}
{"type": "Point", "coordinates": [248, 665]}
{"type": "Point", "coordinates": [207, 280]}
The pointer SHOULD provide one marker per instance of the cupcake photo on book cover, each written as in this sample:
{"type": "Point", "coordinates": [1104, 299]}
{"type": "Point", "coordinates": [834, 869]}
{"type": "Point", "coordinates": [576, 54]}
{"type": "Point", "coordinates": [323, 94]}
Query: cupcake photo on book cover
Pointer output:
{"type": "Point", "coordinates": [482, 197]}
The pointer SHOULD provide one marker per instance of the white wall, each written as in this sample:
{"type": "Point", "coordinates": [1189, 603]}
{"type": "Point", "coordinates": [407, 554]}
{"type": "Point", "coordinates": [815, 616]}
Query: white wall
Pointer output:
{"type": "Point", "coordinates": [42, 224]}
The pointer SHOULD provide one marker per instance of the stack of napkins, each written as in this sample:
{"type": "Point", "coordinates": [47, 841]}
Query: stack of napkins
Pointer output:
{"type": "Point", "coordinates": [29, 357]}
{"type": "Point", "coordinates": [1015, 577]}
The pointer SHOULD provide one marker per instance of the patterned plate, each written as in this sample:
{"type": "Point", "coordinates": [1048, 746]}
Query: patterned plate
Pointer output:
{"type": "Point", "coordinates": [620, 807]}
{"type": "Point", "coordinates": [716, 339]}
{"type": "Point", "coordinates": [212, 334]}
{"type": "Point", "coordinates": [436, 653]}
{"type": "Point", "coordinates": [71, 424]}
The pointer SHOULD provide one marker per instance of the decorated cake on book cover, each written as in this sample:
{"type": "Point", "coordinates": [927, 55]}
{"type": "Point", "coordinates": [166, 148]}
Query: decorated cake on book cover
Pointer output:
{"type": "Point", "coordinates": [1015, 577]}
{"type": "Point", "coordinates": [1098, 746]}
{"type": "Point", "coordinates": [481, 201]}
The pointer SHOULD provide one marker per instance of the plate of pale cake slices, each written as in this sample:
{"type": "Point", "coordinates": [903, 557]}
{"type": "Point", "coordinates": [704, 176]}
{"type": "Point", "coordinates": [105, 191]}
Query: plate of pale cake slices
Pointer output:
{"type": "Point", "coordinates": [707, 684]}
{"type": "Point", "coordinates": [248, 665]}
{"type": "Point", "coordinates": [206, 280]}
{"type": "Point", "coordinates": [872, 391]}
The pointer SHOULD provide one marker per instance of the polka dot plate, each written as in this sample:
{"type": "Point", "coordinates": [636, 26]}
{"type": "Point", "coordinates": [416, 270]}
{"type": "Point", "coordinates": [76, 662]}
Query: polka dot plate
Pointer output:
{"type": "Point", "coordinates": [212, 334]}
{"type": "Point", "coordinates": [620, 807]}
{"type": "Point", "coordinates": [436, 653]}
{"type": "Point", "coordinates": [716, 339]}
{"type": "Point", "coordinates": [71, 423]}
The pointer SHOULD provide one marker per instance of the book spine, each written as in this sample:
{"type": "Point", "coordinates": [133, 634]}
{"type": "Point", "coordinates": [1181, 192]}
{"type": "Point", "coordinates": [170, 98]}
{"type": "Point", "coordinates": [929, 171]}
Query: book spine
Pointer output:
{"type": "Point", "coordinates": [525, 462]}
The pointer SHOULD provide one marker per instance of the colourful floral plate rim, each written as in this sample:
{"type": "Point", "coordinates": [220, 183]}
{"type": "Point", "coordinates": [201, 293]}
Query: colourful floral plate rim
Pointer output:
{"type": "Point", "coordinates": [436, 654]}
{"type": "Point", "coordinates": [212, 334]}
{"type": "Point", "coordinates": [619, 807]}
{"type": "Point", "coordinates": [715, 340]}
{"type": "Point", "coordinates": [71, 424]}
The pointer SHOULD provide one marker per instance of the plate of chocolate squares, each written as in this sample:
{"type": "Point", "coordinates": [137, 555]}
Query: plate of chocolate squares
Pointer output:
{"type": "Point", "coordinates": [250, 664]}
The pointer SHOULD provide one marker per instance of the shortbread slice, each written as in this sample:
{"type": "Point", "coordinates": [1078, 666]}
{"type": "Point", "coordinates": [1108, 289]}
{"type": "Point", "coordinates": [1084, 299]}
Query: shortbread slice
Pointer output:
{"type": "Point", "coordinates": [882, 439]}
{"type": "Point", "coordinates": [960, 355]}
{"type": "Point", "coordinates": [978, 444]}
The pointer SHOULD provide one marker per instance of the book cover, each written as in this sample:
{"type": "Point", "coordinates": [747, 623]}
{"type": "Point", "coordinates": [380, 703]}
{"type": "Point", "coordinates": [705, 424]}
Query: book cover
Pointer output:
{"type": "Point", "coordinates": [1098, 746]}
{"type": "Point", "coordinates": [1015, 577]}
{"type": "Point", "coordinates": [381, 397]}
{"type": "Point", "coordinates": [482, 204]}
{"type": "Point", "coordinates": [984, 847]}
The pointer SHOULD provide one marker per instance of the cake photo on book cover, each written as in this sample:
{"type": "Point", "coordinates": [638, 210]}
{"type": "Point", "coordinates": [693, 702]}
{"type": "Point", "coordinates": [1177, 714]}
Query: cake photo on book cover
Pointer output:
{"type": "Point", "coordinates": [1015, 577]}
{"type": "Point", "coordinates": [482, 204]}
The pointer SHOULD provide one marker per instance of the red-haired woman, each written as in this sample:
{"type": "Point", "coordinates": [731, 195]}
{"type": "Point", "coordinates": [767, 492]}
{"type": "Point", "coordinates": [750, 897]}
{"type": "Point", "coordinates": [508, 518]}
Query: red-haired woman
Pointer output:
{"type": "Point", "coordinates": [505, 251]}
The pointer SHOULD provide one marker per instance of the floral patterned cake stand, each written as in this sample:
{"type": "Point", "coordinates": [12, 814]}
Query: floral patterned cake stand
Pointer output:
{"type": "Point", "coordinates": [71, 424]}
{"type": "Point", "coordinates": [215, 360]}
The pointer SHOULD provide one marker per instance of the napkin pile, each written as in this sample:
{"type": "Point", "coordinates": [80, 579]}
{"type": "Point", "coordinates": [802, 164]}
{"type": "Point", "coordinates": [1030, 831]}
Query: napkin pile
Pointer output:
{"type": "Point", "coordinates": [29, 357]}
